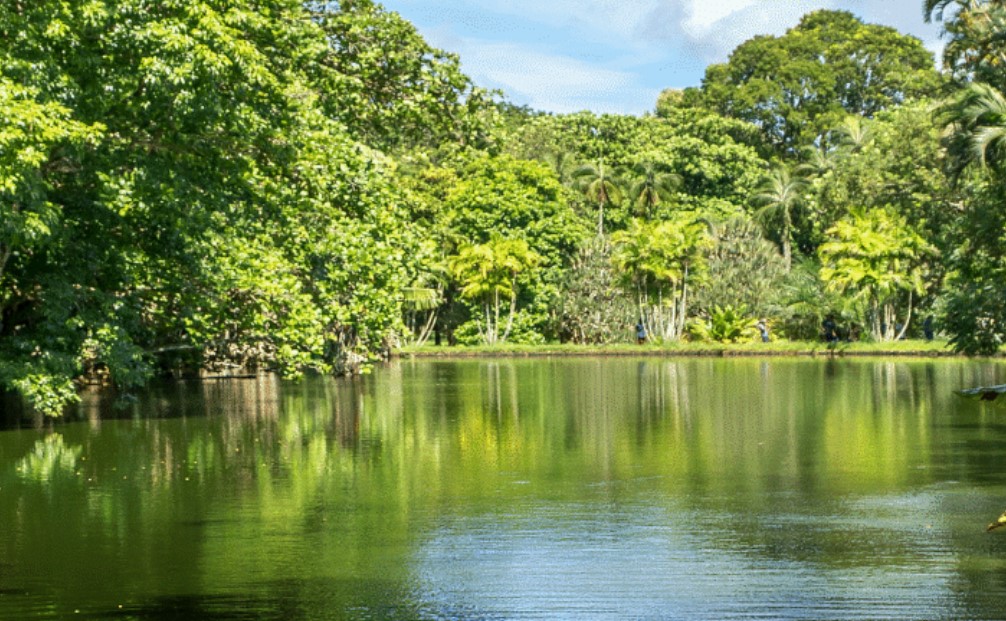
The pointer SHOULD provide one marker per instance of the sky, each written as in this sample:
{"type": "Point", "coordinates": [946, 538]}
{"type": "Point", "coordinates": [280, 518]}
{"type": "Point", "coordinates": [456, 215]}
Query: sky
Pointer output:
{"type": "Point", "coordinates": [616, 56]}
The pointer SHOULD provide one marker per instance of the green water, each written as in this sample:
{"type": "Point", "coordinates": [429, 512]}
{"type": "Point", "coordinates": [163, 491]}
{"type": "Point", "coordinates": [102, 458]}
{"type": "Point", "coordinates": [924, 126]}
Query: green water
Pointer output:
{"type": "Point", "coordinates": [518, 489]}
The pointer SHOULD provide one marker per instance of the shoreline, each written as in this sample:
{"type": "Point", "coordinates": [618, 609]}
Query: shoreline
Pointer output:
{"type": "Point", "coordinates": [900, 349]}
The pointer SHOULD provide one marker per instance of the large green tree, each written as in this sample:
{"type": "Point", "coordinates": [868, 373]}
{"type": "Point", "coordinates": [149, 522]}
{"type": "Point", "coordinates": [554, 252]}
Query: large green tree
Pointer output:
{"type": "Point", "coordinates": [798, 86]}
{"type": "Point", "coordinates": [489, 273]}
{"type": "Point", "coordinates": [974, 118]}
{"type": "Point", "coordinates": [744, 270]}
{"type": "Point", "coordinates": [389, 86]}
{"type": "Point", "coordinates": [875, 257]}
{"type": "Point", "coordinates": [660, 262]}
{"type": "Point", "coordinates": [468, 199]}
{"type": "Point", "coordinates": [188, 195]}
{"type": "Point", "coordinates": [975, 48]}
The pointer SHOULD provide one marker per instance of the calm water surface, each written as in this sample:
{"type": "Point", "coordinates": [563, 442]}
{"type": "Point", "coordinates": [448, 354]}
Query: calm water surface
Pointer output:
{"type": "Point", "coordinates": [518, 489]}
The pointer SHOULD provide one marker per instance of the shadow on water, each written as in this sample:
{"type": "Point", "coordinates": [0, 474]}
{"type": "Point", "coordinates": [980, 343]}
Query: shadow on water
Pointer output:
{"type": "Point", "coordinates": [161, 399]}
{"type": "Point", "coordinates": [333, 600]}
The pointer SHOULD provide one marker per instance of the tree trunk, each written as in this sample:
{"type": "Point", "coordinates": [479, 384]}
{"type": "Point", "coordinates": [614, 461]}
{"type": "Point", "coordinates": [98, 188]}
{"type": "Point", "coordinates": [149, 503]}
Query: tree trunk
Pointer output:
{"type": "Point", "coordinates": [600, 218]}
{"type": "Point", "coordinates": [5, 253]}
{"type": "Point", "coordinates": [496, 317]}
{"type": "Point", "coordinates": [427, 330]}
{"type": "Point", "coordinates": [787, 244]}
{"type": "Point", "coordinates": [908, 318]}
{"type": "Point", "coordinates": [509, 320]}
{"type": "Point", "coordinates": [684, 301]}
{"type": "Point", "coordinates": [487, 334]}
{"type": "Point", "coordinates": [875, 321]}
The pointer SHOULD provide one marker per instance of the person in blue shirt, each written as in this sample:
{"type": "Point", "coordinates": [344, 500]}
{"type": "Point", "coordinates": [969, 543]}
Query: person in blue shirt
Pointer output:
{"type": "Point", "coordinates": [640, 332]}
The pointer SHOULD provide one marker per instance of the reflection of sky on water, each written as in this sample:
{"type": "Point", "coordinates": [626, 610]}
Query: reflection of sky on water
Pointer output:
{"type": "Point", "coordinates": [651, 562]}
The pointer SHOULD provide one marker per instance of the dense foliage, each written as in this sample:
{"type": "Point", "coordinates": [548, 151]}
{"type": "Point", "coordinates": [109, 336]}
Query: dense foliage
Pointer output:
{"type": "Point", "coordinates": [801, 85]}
{"type": "Point", "coordinates": [302, 186]}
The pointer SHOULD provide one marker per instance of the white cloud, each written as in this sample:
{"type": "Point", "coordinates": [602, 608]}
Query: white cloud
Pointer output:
{"type": "Point", "coordinates": [615, 20]}
{"type": "Point", "coordinates": [702, 15]}
{"type": "Point", "coordinates": [554, 82]}
{"type": "Point", "coordinates": [616, 55]}
{"type": "Point", "coordinates": [711, 29]}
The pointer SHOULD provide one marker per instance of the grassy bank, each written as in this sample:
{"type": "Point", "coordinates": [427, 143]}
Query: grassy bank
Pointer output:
{"type": "Point", "coordinates": [774, 348]}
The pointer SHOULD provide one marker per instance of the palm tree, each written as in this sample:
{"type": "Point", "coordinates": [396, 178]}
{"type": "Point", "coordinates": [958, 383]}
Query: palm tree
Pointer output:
{"type": "Point", "coordinates": [976, 118]}
{"type": "Point", "coordinates": [600, 186]}
{"type": "Point", "coordinates": [488, 273]}
{"type": "Point", "coordinates": [562, 163]}
{"type": "Point", "coordinates": [874, 256]}
{"type": "Point", "coordinates": [652, 184]}
{"type": "Point", "coordinates": [936, 9]}
{"type": "Point", "coordinates": [779, 195]}
{"type": "Point", "coordinates": [659, 260]}
{"type": "Point", "coordinates": [854, 133]}
{"type": "Point", "coordinates": [420, 305]}
{"type": "Point", "coordinates": [976, 33]}
{"type": "Point", "coordinates": [818, 160]}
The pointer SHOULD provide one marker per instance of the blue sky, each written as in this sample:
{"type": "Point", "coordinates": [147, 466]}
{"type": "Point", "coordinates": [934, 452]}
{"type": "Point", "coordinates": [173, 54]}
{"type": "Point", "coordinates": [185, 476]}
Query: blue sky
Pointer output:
{"type": "Point", "coordinates": [616, 55]}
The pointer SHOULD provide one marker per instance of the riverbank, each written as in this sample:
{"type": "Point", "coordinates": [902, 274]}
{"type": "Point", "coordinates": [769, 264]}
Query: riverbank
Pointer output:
{"type": "Point", "coordinates": [919, 348]}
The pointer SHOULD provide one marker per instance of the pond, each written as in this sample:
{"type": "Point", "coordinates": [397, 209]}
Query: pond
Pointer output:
{"type": "Point", "coordinates": [566, 488]}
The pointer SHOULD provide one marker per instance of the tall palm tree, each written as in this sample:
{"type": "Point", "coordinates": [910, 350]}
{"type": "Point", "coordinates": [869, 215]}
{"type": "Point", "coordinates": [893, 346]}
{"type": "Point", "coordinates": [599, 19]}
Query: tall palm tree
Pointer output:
{"type": "Point", "coordinates": [652, 184]}
{"type": "Point", "coordinates": [779, 195]}
{"type": "Point", "coordinates": [976, 118]}
{"type": "Point", "coordinates": [599, 185]}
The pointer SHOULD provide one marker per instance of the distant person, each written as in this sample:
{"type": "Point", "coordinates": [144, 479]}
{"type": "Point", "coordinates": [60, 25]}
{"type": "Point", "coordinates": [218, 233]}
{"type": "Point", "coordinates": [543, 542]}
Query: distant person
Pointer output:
{"type": "Point", "coordinates": [640, 332]}
{"type": "Point", "coordinates": [830, 329]}
{"type": "Point", "coordinates": [763, 329]}
{"type": "Point", "coordinates": [927, 328]}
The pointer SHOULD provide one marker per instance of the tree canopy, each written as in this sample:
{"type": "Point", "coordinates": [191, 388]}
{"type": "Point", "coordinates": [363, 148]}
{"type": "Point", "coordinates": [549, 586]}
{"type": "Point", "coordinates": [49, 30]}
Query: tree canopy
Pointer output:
{"type": "Point", "coordinates": [799, 86]}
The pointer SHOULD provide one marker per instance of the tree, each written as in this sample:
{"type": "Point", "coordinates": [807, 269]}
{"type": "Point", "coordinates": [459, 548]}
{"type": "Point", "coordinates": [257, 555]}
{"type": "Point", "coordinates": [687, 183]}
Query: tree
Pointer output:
{"type": "Point", "coordinates": [872, 257]}
{"type": "Point", "coordinates": [853, 134]}
{"type": "Point", "coordinates": [34, 137]}
{"type": "Point", "coordinates": [659, 261]}
{"type": "Point", "coordinates": [593, 306]}
{"type": "Point", "coordinates": [900, 164]}
{"type": "Point", "coordinates": [652, 184]}
{"type": "Point", "coordinates": [744, 270]}
{"type": "Point", "coordinates": [798, 86]}
{"type": "Point", "coordinates": [488, 273]}
{"type": "Point", "coordinates": [976, 50]}
{"type": "Point", "coordinates": [976, 120]}
{"type": "Point", "coordinates": [779, 196]}
{"type": "Point", "coordinates": [600, 186]}
{"type": "Point", "coordinates": [189, 195]}
{"type": "Point", "coordinates": [468, 199]}
{"type": "Point", "coordinates": [974, 313]}
{"type": "Point", "coordinates": [388, 85]}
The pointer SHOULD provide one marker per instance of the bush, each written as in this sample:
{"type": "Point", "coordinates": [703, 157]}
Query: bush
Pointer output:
{"type": "Point", "coordinates": [726, 324]}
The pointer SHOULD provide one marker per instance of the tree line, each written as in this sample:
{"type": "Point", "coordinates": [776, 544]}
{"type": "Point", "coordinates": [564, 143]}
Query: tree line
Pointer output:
{"type": "Point", "coordinates": [303, 186]}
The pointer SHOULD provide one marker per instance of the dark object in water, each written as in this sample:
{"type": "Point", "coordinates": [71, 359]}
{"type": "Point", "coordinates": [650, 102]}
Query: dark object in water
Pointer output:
{"type": "Point", "coordinates": [983, 393]}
